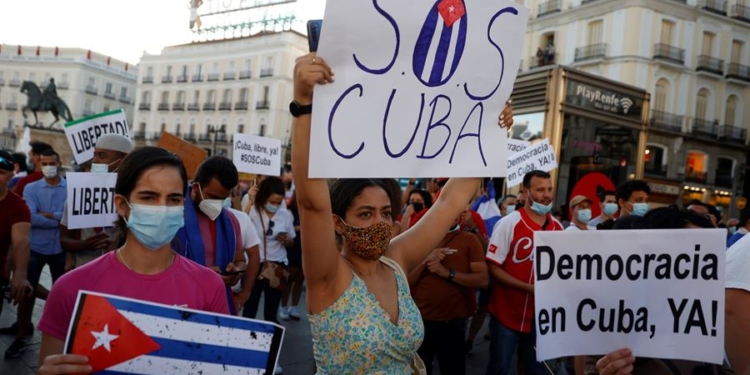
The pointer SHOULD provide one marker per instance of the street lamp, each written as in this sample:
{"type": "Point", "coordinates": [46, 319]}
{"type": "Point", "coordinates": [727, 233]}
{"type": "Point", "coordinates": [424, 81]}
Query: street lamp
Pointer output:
{"type": "Point", "coordinates": [215, 131]}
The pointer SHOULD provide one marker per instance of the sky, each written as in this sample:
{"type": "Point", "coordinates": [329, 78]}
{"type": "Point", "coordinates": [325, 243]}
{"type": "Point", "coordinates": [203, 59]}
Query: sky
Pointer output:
{"type": "Point", "coordinates": [121, 29]}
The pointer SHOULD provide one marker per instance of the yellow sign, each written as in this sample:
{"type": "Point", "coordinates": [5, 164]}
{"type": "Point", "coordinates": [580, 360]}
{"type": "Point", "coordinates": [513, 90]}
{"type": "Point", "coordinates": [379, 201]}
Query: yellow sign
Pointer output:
{"type": "Point", "coordinates": [741, 203]}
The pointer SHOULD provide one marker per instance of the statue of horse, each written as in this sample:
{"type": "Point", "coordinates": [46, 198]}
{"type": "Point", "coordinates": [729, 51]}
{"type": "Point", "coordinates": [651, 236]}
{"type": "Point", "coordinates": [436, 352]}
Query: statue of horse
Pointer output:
{"type": "Point", "coordinates": [44, 102]}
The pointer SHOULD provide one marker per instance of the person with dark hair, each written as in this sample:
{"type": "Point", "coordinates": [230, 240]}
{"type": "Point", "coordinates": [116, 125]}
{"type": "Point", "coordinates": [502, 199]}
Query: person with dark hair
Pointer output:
{"type": "Point", "coordinates": [608, 208]}
{"type": "Point", "coordinates": [509, 258]}
{"type": "Point", "coordinates": [20, 169]}
{"type": "Point", "coordinates": [709, 210]}
{"type": "Point", "coordinates": [362, 317]}
{"type": "Point", "coordinates": [419, 202]}
{"type": "Point", "coordinates": [395, 193]}
{"type": "Point", "coordinates": [212, 236]}
{"type": "Point", "coordinates": [149, 198]}
{"type": "Point", "coordinates": [632, 197]}
{"type": "Point", "coordinates": [37, 148]}
{"type": "Point", "coordinates": [743, 227]}
{"type": "Point", "coordinates": [15, 226]}
{"type": "Point", "coordinates": [45, 199]}
{"type": "Point", "coordinates": [507, 205]}
{"type": "Point", "coordinates": [275, 226]}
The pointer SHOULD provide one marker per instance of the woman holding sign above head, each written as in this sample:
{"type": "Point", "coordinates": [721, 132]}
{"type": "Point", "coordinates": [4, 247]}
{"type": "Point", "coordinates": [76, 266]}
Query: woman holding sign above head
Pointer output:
{"type": "Point", "coordinates": [362, 317]}
{"type": "Point", "coordinates": [150, 192]}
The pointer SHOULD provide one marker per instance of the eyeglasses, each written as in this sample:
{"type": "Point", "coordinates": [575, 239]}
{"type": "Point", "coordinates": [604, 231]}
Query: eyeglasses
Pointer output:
{"type": "Point", "coordinates": [6, 163]}
{"type": "Point", "coordinates": [270, 228]}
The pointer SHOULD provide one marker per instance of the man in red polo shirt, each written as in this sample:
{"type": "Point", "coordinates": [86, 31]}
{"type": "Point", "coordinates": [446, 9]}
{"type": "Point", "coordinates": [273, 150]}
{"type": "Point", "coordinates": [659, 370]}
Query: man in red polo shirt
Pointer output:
{"type": "Point", "coordinates": [510, 262]}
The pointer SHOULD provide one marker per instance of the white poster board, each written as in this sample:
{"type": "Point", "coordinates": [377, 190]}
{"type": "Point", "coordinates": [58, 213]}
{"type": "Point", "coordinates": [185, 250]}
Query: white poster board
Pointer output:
{"type": "Point", "coordinates": [83, 133]}
{"type": "Point", "coordinates": [517, 145]}
{"type": "Point", "coordinates": [657, 292]}
{"type": "Point", "coordinates": [540, 156]}
{"type": "Point", "coordinates": [257, 155]}
{"type": "Point", "coordinates": [418, 88]}
{"type": "Point", "coordinates": [91, 202]}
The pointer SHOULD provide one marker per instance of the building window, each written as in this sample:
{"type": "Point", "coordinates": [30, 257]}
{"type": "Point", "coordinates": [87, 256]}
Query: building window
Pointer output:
{"type": "Point", "coordinates": [243, 95]}
{"type": "Point", "coordinates": [595, 32]}
{"type": "Point", "coordinates": [730, 112]}
{"type": "Point", "coordinates": [701, 104]}
{"type": "Point", "coordinates": [737, 47]}
{"type": "Point", "coordinates": [667, 29]}
{"type": "Point", "coordinates": [724, 172]}
{"type": "Point", "coordinates": [227, 96]}
{"type": "Point", "coordinates": [92, 82]}
{"type": "Point", "coordinates": [165, 97]}
{"type": "Point", "coordinates": [660, 96]}
{"type": "Point", "coordinates": [265, 94]}
{"type": "Point", "coordinates": [146, 97]}
{"type": "Point", "coordinates": [32, 77]}
{"type": "Point", "coordinates": [150, 71]}
{"type": "Point", "coordinates": [196, 96]}
{"type": "Point", "coordinates": [106, 108]}
{"type": "Point", "coordinates": [124, 92]}
{"type": "Point", "coordinates": [163, 127]}
{"type": "Point", "coordinates": [108, 88]}
{"type": "Point", "coordinates": [696, 166]}
{"type": "Point", "coordinates": [211, 97]}
{"type": "Point", "coordinates": [231, 67]}
{"type": "Point", "coordinates": [181, 97]}
{"type": "Point", "coordinates": [656, 160]}
{"type": "Point", "coordinates": [262, 131]}
{"type": "Point", "coordinates": [65, 77]}
{"type": "Point", "coordinates": [241, 127]}
{"type": "Point", "coordinates": [708, 43]}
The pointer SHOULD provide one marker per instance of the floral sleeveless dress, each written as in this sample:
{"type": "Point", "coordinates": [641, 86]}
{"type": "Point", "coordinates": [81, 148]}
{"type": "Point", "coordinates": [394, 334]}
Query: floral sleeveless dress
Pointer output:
{"type": "Point", "coordinates": [355, 334]}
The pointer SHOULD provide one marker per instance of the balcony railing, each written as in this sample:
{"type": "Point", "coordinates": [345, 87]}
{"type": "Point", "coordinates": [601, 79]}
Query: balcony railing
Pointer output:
{"type": "Point", "coordinates": [166, 79]}
{"type": "Point", "coordinates": [88, 112]}
{"type": "Point", "coordinates": [588, 1]}
{"type": "Point", "coordinates": [538, 62]}
{"type": "Point", "coordinates": [705, 128]}
{"type": "Point", "coordinates": [124, 99]}
{"type": "Point", "coordinates": [62, 85]}
{"type": "Point", "coordinates": [139, 134]}
{"type": "Point", "coordinates": [225, 106]}
{"type": "Point", "coordinates": [182, 78]}
{"type": "Point", "coordinates": [710, 64]}
{"type": "Point", "coordinates": [14, 83]}
{"type": "Point", "coordinates": [163, 106]}
{"type": "Point", "coordinates": [204, 137]}
{"type": "Point", "coordinates": [740, 12]}
{"type": "Point", "coordinates": [147, 79]}
{"type": "Point", "coordinates": [109, 95]}
{"type": "Point", "coordinates": [178, 106]}
{"type": "Point", "coordinates": [197, 78]}
{"type": "Point", "coordinates": [229, 76]}
{"type": "Point", "coordinates": [91, 90]}
{"type": "Point", "coordinates": [209, 106]}
{"type": "Point", "coordinates": [262, 104]}
{"type": "Point", "coordinates": [694, 176]}
{"type": "Point", "coordinates": [213, 77]}
{"type": "Point", "coordinates": [669, 53]}
{"type": "Point", "coordinates": [240, 106]}
{"type": "Point", "coordinates": [657, 170]}
{"type": "Point", "coordinates": [593, 51]}
{"type": "Point", "coordinates": [194, 107]}
{"type": "Point", "coordinates": [191, 137]}
{"type": "Point", "coordinates": [245, 74]}
{"type": "Point", "coordinates": [666, 121]}
{"type": "Point", "coordinates": [740, 72]}
{"type": "Point", "coordinates": [549, 7]}
{"type": "Point", "coordinates": [715, 6]}
{"type": "Point", "coordinates": [732, 133]}
{"type": "Point", "coordinates": [11, 106]}
{"type": "Point", "coordinates": [267, 72]}
{"type": "Point", "coordinates": [144, 106]}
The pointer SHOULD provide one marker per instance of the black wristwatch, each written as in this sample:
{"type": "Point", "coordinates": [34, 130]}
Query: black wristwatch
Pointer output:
{"type": "Point", "coordinates": [451, 274]}
{"type": "Point", "coordinates": [298, 110]}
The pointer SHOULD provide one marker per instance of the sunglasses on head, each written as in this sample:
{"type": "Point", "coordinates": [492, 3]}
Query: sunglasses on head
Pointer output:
{"type": "Point", "coordinates": [6, 163]}
{"type": "Point", "coordinates": [270, 228]}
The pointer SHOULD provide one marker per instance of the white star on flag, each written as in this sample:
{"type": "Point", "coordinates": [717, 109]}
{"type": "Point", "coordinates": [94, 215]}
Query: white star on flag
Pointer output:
{"type": "Point", "coordinates": [104, 338]}
{"type": "Point", "coordinates": [451, 9]}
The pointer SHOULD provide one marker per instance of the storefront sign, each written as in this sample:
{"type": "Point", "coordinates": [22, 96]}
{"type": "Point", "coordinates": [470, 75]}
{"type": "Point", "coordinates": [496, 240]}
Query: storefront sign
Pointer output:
{"type": "Point", "coordinates": [664, 189]}
{"type": "Point", "coordinates": [741, 203]}
{"type": "Point", "coordinates": [603, 100]}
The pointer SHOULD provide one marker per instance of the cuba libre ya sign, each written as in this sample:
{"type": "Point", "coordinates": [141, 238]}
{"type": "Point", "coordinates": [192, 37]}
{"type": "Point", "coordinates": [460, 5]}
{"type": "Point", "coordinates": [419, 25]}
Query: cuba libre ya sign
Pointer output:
{"type": "Point", "coordinates": [603, 100]}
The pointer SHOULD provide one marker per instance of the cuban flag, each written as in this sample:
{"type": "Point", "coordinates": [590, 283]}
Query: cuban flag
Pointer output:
{"type": "Point", "coordinates": [440, 43]}
{"type": "Point", "coordinates": [125, 336]}
{"type": "Point", "coordinates": [486, 207]}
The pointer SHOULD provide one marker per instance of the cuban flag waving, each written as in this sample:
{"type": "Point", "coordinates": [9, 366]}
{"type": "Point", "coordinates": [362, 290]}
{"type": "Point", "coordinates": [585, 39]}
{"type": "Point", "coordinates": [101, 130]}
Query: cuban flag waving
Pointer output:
{"type": "Point", "coordinates": [486, 207]}
{"type": "Point", "coordinates": [125, 336]}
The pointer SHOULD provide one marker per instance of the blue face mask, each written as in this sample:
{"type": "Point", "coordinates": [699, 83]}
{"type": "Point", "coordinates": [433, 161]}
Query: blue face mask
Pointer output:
{"type": "Point", "coordinates": [227, 203]}
{"type": "Point", "coordinates": [610, 208]}
{"type": "Point", "coordinates": [540, 208]}
{"type": "Point", "coordinates": [271, 208]}
{"type": "Point", "coordinates": [640, 209]}
{"type": "Point", "coordinates": [510, 209]}
{"type": "Point", "coordinates": [584, 215]}
{"type": "Point", "coordinates": [732, 230]}
{"type": "Point", "coordinates": [155, 226]}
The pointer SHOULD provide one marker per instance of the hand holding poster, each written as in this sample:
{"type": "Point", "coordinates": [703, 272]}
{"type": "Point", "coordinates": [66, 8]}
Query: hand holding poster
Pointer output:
{"type": "Point", "coordinates": [83, 133]}
{"type": "Point", "coordinates": [122, 335]}
{"type": "Point", "coordinates": [600, 291]}
{"type": "Point", "coordinates": [91, 202]}
{"type": "Point", "coordinates": [540, 156]}
{"type": "Point", "coordinates": [257, 155]}
{"type": "Point", "coordinates": [417, 89]}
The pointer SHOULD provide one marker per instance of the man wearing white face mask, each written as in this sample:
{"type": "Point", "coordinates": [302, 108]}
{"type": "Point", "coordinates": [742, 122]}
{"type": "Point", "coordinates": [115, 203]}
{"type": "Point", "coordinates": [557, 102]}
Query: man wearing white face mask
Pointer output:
{"type": "Point", "coordinates": [581, 209]}
{"type": "Point", "coordinates": [86, 244]}
{"type": "Point", "coordinates": [212, 235]}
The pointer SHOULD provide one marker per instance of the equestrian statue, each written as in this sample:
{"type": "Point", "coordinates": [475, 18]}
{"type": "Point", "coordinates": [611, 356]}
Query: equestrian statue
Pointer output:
{"type": "Point", "coordinates": [46, 101]}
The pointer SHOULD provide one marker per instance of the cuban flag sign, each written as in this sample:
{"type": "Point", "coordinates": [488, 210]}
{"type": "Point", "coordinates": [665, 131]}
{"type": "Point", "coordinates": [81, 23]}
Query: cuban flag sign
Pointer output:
{"type": "Point", "coordinates": [126, 336]}
{"type": "Point", "coordinates": [486, 207]}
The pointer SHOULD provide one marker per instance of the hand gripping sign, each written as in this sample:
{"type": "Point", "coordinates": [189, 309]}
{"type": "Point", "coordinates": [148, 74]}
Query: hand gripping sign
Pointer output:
{"type": "Point", "coordinates": [418, 88]}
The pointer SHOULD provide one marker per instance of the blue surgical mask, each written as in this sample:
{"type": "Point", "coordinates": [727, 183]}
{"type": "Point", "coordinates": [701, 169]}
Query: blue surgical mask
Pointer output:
{"type": "Point", "coordinates": [155, 226]}
{"type": "Point", "coordinates": [732, 230]}
{"type": "Point", "coordinates": [584, 215]}
{"type": "Point", "coordinates": [540, 208]}
{"type": "Point", "coordinates": [640, 209]}
{"type": "Point", "coordinates": [271, 208]}
{"type": "Point", "coordinates": [227, 203]}
{"type": "Point", "coordinates": [99, 168]}
{"type": "Point", "coordinates": [610, 208]}
{"type": "Point", "coordinates": [510, 209]}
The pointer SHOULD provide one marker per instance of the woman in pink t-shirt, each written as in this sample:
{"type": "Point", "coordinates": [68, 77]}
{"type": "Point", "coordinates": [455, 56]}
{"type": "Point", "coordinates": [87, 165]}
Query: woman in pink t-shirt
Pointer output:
{"type": "Point", "coordinates": [150, 191]}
